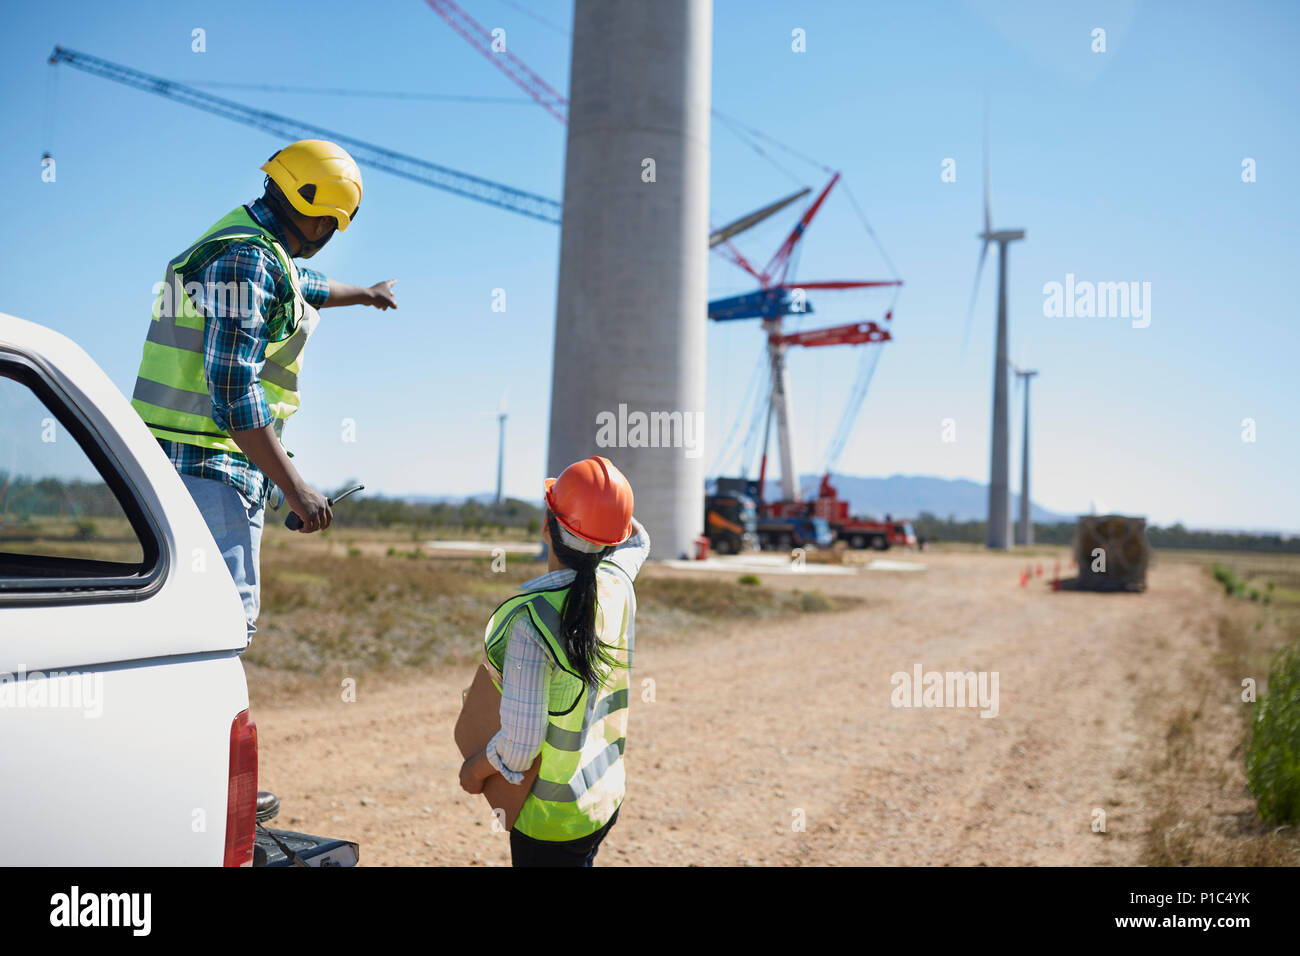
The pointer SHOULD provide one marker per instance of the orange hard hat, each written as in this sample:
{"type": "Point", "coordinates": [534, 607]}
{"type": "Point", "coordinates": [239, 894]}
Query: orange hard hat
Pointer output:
{"type": "Point", "coordinates": [592, 500]}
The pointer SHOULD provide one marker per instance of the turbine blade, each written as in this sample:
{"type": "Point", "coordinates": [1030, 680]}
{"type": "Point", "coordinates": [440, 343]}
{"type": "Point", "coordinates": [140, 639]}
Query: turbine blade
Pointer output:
{"type": "Point", "coordinates": [988, 174]}
{"type": "Point", "coordinates": [974, 294]}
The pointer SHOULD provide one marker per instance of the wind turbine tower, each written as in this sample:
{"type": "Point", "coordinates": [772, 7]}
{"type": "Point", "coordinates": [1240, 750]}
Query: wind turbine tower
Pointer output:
{"type": "Point", "coordinates": [634, 254]}
{"type": "Point", "coordinates": [1026, 530]}
{"type": "Point", "coordinates": [501, 444]}
{"type": "Point", "coordinates": [999, 520]}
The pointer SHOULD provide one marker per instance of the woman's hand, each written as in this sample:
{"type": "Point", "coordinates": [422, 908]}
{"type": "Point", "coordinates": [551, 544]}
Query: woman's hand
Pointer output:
{"type": "Point", "coordinates": [474, 771]}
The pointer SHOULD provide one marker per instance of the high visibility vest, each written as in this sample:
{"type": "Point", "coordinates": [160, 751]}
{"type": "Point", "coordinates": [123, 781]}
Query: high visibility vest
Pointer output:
{"type": "Point", "coordinates": [581, 780]}
{"type": "Point", "coordinates": [171, 389]}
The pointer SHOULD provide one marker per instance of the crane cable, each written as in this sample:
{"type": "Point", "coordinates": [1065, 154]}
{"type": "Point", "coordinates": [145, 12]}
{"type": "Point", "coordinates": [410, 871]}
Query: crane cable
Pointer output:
{"type": "Point", "coordinates": [866, 372]}
{"type": "Point", "coordinates": [47, 124]}
{"type": "Point", "coordinates": [343, 91]}
{"type": "Point", "coordinates": [762, 409]}
{"type": "Point", "coordinates": [754, 385]}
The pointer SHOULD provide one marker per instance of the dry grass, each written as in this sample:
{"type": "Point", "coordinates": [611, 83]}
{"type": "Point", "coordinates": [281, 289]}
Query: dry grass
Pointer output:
{"type": "Point", "coordinates": [100, 539]}
{"type": "Point", "coordinates": [346, 612]}
{"type": "Point", "coordinates": [1204, 814]}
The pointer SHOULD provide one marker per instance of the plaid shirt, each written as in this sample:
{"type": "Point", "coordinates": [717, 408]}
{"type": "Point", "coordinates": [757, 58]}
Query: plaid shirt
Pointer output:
{"type": "Point", "coordinates": [235, 346]}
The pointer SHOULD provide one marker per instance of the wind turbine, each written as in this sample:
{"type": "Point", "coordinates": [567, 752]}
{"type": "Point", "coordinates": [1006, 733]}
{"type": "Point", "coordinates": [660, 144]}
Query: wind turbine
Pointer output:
{"type": "Point", "coordinates": [501, 417]}
{"type": "Point", "coordinates": [999, 521]}
{"type": "Point", "coordinates": [1025, 532]}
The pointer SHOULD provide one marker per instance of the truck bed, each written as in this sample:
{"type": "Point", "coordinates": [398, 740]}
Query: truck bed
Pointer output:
{"type": "Point", "coordinates": [312, 850]}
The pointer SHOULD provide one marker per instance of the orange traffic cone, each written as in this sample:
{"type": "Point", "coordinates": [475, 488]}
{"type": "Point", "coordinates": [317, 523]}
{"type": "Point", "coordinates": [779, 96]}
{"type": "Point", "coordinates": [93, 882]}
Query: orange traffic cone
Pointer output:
{"type": "Point", "coordinates": [1039, 572]}
{"type": "Point", "coordinates": [1024, 578]}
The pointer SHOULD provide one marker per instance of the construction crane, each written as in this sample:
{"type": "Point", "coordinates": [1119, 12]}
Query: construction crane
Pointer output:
{"type": "Point", "coordinates": [554, 103]}
{"type": "Point", "coordinates": [774, 300]}
{"type": "Point", "coordinates": [557, 104]}
{"type": "Point", "coordinates": [771, 302]}
{"type": "Point", "coordinates": [409, 167]}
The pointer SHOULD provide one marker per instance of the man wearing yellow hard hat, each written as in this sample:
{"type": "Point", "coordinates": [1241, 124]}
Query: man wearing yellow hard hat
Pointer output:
{"type": "Point", "coordinates": [219, 374]}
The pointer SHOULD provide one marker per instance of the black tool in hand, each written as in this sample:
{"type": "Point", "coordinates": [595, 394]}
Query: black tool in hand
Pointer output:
{"type": "Point", "coordinates": [293, 522]}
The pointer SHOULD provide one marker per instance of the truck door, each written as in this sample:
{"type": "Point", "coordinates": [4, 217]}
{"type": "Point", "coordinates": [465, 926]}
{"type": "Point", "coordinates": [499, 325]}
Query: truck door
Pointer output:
{"type": "Point", "coordinates": [119, 628]}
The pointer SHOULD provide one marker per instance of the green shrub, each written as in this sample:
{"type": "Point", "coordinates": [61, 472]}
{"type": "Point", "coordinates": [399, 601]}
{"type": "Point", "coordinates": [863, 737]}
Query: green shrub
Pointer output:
{"type": "Point", "coordinates": [354, 552]}
{"type": "Point", "coordinates": [1231, 583]}
{"type": "Point", "coordinates": [1273, 757]}
{"type": "Point", "coordinates": [814, 601]}
{"type": "Point", "coordinates": [748, 579]}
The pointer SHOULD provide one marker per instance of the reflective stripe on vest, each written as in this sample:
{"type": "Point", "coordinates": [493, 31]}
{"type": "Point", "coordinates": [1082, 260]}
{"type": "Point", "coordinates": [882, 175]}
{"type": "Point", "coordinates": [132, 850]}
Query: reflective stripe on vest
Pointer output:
{"type": "Point", "coordinates": [171, 389]}
{"type": "Point", "coordinates": [581, 780]}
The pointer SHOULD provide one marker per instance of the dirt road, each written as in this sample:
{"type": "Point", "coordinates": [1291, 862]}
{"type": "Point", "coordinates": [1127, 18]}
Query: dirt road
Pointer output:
{"type": "Point", "coordinates": [777, 743]}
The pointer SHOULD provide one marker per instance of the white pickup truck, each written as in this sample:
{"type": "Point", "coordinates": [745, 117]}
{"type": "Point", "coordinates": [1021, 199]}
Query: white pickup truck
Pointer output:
{"type": "Point", "coordinates": [125, 736]}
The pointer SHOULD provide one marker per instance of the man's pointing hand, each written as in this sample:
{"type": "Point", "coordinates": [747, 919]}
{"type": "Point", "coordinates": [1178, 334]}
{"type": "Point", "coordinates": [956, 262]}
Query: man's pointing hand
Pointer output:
{"type": "Point", "coordinates": [381, 295]}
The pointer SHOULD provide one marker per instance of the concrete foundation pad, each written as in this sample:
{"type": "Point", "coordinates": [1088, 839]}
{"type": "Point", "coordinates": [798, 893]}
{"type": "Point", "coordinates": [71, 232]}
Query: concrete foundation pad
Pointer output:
{"type": "Point", "coordinates": [758, 564]}
{"type": "Point", "coordinates": [883, 564]}
{"type": "Point", "coordinates": [486, 547]}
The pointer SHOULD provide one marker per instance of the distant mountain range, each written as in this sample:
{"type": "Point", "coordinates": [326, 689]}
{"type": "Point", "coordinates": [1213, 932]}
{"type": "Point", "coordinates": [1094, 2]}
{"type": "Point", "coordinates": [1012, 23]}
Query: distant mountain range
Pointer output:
{"type": "Point", "coordinates": [904, 496]}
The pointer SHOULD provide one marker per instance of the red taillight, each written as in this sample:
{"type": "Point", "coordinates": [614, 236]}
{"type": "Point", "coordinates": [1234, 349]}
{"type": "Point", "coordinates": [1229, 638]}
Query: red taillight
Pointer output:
{"type": "Point", "coordinates": [241, 794]}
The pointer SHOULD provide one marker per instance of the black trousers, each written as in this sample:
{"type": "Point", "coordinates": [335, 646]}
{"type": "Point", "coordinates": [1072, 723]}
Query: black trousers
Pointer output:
{"type": "Point", "coordinates": [525, 851]}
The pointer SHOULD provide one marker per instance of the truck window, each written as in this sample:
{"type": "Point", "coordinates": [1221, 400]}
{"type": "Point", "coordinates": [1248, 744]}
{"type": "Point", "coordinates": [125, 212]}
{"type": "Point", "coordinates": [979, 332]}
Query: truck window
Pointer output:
{"type": "Point", "coordinates": [63, 523]}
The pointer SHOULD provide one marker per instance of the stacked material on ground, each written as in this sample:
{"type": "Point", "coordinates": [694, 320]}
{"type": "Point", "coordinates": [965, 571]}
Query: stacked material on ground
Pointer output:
{"type": "Point", "coordinates": [1112, 552]}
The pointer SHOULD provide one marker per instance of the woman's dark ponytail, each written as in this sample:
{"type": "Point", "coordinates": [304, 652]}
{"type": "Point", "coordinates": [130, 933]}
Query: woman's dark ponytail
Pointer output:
{"type": "Point", "coordinates": [578, 634]}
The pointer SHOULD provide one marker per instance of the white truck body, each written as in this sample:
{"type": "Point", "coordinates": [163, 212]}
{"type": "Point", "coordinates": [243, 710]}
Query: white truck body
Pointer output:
{"type": "Point", "coordinates": [135, 768]}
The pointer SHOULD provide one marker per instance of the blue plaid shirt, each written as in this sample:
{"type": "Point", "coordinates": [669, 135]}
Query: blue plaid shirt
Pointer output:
{"type": "Point", "coordinates": [235, 346]}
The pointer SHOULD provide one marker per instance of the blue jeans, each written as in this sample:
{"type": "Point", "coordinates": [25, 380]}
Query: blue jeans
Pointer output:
{"type": "Point", "coordinates": [236, 525]}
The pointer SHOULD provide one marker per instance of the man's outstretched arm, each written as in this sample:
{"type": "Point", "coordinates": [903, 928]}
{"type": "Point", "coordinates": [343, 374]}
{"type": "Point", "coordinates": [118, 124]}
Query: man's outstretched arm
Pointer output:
{"type": "Point", "coordinates": [380, 295]}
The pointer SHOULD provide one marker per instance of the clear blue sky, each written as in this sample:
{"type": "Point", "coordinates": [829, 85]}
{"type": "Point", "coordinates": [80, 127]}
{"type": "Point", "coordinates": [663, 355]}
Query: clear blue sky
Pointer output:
{"type": "Point", "coordinates": [1122, 166]}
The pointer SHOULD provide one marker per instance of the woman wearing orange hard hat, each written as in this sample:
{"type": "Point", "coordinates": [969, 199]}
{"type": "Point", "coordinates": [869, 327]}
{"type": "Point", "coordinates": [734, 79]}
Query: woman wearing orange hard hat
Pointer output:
{"type": "Point", "coordinates": [560, 653]}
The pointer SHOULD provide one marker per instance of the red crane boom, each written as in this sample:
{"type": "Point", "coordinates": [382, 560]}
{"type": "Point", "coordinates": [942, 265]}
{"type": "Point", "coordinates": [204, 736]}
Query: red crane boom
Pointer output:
{"type": "Point", "coordinates": [505, 61]}
{"type": "Point", "coordinates": [856, 333]}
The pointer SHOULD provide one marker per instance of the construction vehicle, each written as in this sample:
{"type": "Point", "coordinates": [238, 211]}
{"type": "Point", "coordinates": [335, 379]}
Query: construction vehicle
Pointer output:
{"type": "Point", "coordinates": [858, 531]}
{"type": "Point", "coordinates": [781, 532]}
{"type": "Point", "coordinates": [772, 527]}
{"type": "Point", "coordinates": [731, 523]}
{"type": "Point", "coordinates": [793, 521]}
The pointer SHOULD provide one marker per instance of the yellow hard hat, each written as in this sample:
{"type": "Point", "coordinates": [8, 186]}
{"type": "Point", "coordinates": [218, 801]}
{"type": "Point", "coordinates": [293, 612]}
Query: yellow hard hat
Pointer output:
{"type": "Point", "coordinates": [319, 178]}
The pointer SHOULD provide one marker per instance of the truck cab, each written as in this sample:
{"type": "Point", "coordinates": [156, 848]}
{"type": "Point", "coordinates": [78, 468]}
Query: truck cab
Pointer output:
{"type": "Point", "coordinates": [125, 731]}
{"type": "Point", "coordinates": [731, 523]}
{"type": "Point", "coordinates": [793, 530]}
{"type": "Point", "coordinates": [819, 533]}
{"type": "Point", "coordinates": [903, 534]}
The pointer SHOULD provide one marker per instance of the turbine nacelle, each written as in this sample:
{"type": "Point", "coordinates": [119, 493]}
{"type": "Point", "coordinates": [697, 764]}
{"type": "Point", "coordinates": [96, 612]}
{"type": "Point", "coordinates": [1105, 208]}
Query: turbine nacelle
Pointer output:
{"type": "Point", "coordinates": [1002, 235]}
